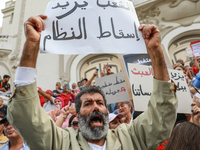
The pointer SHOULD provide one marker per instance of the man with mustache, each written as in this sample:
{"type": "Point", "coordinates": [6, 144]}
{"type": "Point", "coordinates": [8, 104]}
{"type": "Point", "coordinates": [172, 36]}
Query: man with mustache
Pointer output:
{"type": "Point", "coordinates": [40, 132]}
{"type": "Point", "coordinates": [15, 141]}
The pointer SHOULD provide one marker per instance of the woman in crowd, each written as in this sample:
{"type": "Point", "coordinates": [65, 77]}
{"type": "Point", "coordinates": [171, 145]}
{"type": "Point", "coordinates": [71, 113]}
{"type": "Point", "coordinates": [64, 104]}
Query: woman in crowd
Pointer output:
{"type": "Point", "coordinates": [114, 120]}
{"type": "Point", "coordinates": [185, 136]}
{"type": "Point", "coordinates": [59, 104]}
{"type": "Point", "coordinates": [125, 108]}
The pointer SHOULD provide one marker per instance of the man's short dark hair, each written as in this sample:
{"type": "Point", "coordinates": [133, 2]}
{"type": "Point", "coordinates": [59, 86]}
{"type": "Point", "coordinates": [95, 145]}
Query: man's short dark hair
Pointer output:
{"type": "Point", "coordinates": [84, 80]}
{"type": "Point", "coordinates": [88, 90]}
{"type": "Point", "coordinates": [6, 76]}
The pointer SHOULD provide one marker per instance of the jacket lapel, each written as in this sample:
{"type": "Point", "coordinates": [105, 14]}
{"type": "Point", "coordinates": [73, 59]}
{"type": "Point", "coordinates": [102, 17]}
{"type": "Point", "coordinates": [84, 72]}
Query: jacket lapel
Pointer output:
{"type": "Point", "coordinates": [113, 142]}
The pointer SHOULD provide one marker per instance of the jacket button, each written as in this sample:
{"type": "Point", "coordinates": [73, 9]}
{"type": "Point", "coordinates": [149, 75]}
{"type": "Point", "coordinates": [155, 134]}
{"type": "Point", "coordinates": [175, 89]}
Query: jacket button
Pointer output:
{"type": "Point", "coordinates": [23, 92]}
{"type": "Point", "coordinates": [172, 88]}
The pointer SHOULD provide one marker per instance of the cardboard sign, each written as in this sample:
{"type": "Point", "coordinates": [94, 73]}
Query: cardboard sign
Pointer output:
{"type": "Point", "coordinates": [114, 87]}
{"type": "Point", "coordinates": [91, 26]}
{"type": "Point", "coordinates": [189, 52]}
{"type": "Point", "coordinates": [196, 48]}
{"type": "Point", "coordinates": [141, 78]}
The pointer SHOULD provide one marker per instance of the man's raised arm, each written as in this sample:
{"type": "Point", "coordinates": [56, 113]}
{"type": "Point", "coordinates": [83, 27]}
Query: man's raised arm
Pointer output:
{"type": "Point", "coordinates": [24, 110]}
{"type": "Point", "coordinates": [33, 28]}
{"type": "Point", "coordinates": [155, 125]}
{"type": "Point", "coordinates": [151, 36]}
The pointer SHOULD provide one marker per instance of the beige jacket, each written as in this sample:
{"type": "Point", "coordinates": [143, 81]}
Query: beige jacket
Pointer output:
{"type": "Point", "coordinates": [144, 133]}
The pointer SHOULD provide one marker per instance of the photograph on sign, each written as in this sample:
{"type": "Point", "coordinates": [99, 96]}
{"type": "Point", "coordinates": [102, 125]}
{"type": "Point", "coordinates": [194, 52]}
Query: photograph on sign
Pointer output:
{"type": "Point", "coordinates": [142, 59]}
{"type": "Point", "coordinates": [91, 26]}
{"type": "Point", "coordinates": [114, 87]}
{"type": "Point", "coordinates": [141, 79]}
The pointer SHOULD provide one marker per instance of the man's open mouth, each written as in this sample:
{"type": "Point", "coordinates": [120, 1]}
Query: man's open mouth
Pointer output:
{"type": "Point", "coordinates": [96, 121]}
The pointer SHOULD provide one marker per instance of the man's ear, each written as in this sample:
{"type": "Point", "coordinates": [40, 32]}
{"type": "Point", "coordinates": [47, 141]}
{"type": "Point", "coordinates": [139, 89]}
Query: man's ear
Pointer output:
{"type": "Point", "coordinates": [76, 115]}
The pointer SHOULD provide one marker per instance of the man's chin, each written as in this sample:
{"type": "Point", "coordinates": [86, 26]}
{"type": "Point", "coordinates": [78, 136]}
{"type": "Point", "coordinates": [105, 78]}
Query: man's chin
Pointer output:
{"type": "Point", "coordinates": [93, 130]}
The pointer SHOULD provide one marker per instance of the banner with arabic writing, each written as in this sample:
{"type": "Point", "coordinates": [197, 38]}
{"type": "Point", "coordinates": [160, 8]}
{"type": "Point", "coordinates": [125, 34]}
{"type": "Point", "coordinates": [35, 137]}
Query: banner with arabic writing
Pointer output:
{"type": "Point", "coordinates": [114, 87]}
{"type": "Point", "coordinates": [141, 79]}
{"type": "Point", "coordinates": [91, 26]}
{"type": "Point", "coordinates": [195, 48]}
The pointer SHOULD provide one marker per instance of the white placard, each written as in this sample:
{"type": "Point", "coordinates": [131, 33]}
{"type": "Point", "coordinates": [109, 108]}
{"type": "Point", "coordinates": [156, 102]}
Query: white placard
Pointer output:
{"type": "Point", "coordinates": [91, 26]}
{"type": "Point", "coordinates": [196, 48]}
{"type": "Point", "coordinates": [141, 78]}
{"type": "Point", "coordinates": [189, 52]}
{"type": "Point", "coordinates": [114, 87]}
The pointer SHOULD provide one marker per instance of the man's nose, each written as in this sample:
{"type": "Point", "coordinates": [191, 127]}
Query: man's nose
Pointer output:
{"type": "Point", "coordinates": [9, 126]}
{"type": "Point", "coordinates": [96, 107]}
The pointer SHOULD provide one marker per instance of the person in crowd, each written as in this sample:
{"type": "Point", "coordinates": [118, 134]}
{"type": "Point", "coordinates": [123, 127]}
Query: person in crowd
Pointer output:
{"type": "Point", "coordinates": [188, 76]}
{"type": "Point", "coordinates": [79, 84]}
{"type": "Point", "coordinates": [5, 86]}
{"type": "Point", "coordinates": [185, 136]}
{"type": "Point", "coordinates": [58, 90]}
{"type": "Point", "coordinates": [41, 97]}
{"type": "Point", "coordinates": [59, 104]}
{"type": "Point", "coordinates": [3, 138]}
{"type": "Point", "coordinates": [67, 95]}
{"type": "Point", "coordinates": [2, 106]}
{"type": "Point", "coordinates": [196, 64]}
{"type": "Point", "coordinates": [73, 86]}
{"type": "Point", "coordinates": [15, 141]}
{"type": "Point", "coordinates": [114, 120]}
{"type": "Point", "coordinates": [194, 68]}
{"type": "Point", "coordinates": [83, 83]}
{"type": "Point", "coordinates": [76, 91]}
{"type": "Point", "coordinates": [89, 82]}
{"type": "Point", "coordinates": [125, 108]}
{"type": "Point", "coordinates": [49, 99]}
{"type": "Point", "coordinates": [191, 71]}
{"type": "Point", "coordinates": [65, 114]}
{"type": "Point", "coordinates": [181, 62]}
{"type": "Point", "coordinates": [62, 113]}
{"type": "Point", "coordinates": [145, 132]}
{"type": "Point", "coordinates": [73, 122]}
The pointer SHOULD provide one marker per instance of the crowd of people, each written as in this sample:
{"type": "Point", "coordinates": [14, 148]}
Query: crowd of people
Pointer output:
{"type": "Point", "coordinates": [79, 118]}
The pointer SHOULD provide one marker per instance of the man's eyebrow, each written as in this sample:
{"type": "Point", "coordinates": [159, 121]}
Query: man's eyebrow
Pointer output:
{"type": "Point", "coordinates": [89, 100]}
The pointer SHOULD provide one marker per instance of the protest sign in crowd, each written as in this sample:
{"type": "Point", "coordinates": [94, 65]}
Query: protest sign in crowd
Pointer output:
{"type": "Point", "coordinates": [162, 114]}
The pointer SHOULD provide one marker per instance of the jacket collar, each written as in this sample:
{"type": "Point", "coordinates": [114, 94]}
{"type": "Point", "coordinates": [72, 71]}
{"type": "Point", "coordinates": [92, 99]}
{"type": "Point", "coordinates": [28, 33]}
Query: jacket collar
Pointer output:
{"type": "Point", "coordinates": [112, 141]}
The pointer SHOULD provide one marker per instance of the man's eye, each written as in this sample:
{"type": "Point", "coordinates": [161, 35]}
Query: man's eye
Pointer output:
{"type": "Point", "coordinates": [87, 104]}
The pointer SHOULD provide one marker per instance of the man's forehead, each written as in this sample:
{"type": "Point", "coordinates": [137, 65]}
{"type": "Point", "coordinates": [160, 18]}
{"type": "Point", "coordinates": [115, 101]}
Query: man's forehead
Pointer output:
{"type": "Point", "coordinates": [91, 96]}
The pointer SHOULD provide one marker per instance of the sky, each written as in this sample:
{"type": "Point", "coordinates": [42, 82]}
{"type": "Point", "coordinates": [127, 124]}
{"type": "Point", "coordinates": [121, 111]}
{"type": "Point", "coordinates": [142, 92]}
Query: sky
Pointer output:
{"type": "Point", "coordinates": [2, 6]}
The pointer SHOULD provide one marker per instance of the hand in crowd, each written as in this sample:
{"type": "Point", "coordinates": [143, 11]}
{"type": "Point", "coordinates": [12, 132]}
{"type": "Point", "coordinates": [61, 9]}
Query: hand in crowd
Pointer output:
{"type": "Point", "coordinates": [189, 75]}
{"type": "Point", "coordinates": [66, 110]}
{"type": "Point", "coordinates": [195, 101]}
{"type": "Point", "coordinates": [196, 112]}
{"type": "Point", "coordinates": [196, 62]}
{"type": "Point", "coordinates": [3, 89]}
{"type": "Point", "coordinates": [72, 109]}
{"type": "Point", "coordinates": [108, 69]}
{"type": "Point", "coordinates": [68, 92]}
{"type": "Point", "coordinates": [196, 109]}
{"type": "Point", "coordinates": [102, 73]}
{"type": "Point", "coordinates": [95, 74]}
{"type": "Point", "coordinates": [57, 110]}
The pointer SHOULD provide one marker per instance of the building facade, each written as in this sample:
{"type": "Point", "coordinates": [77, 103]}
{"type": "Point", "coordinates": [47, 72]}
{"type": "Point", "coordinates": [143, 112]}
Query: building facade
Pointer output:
{"type": "Point", "coordinates": [177, 20]}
